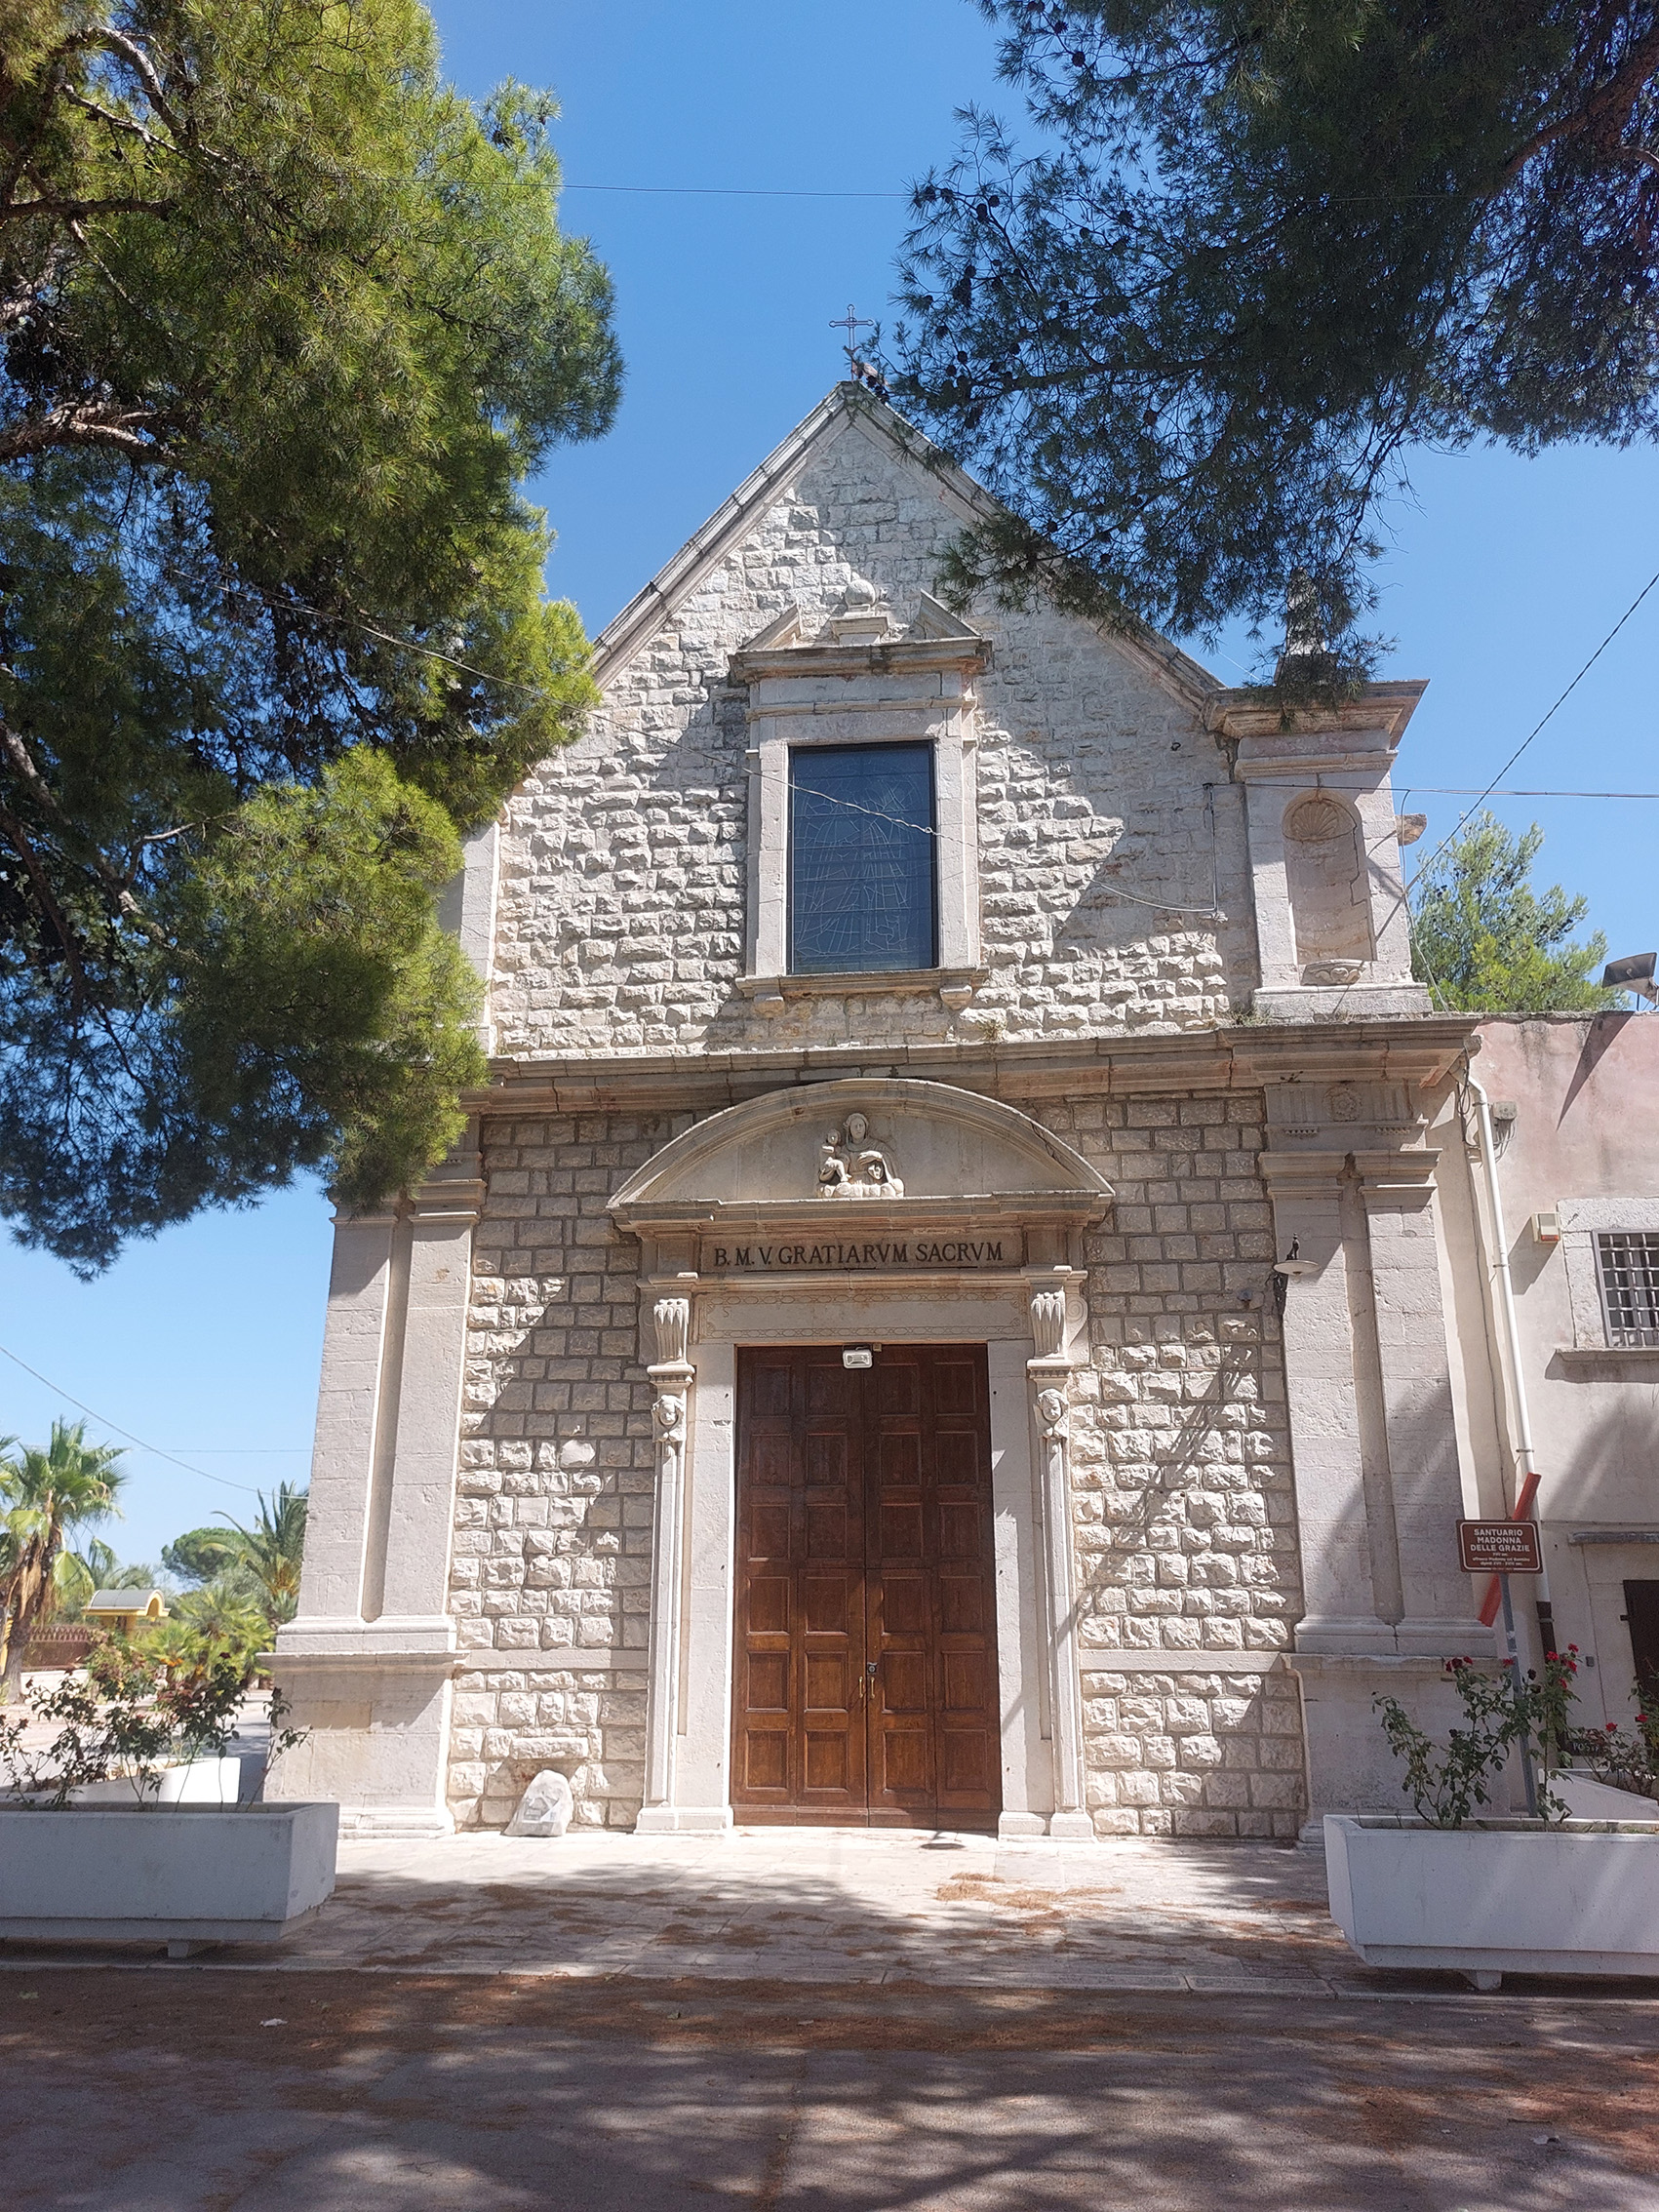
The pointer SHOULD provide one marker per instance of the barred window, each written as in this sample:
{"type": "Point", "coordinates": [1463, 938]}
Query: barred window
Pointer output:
{"type": "Point", "coordinates": [1629, 1264]}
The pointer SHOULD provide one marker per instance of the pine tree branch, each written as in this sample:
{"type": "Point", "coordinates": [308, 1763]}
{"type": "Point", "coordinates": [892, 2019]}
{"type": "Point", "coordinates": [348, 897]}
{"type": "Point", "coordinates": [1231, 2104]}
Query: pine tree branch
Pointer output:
{"type": "Point", "coordinates": [112, 41]}
{"type": "Point", "coordinates": [114, 883]}
{"type": "Point", "coordinates": [75, 211]}
{"type": "Point", "coordinates": [1623, 89]}
{"type": "Point", "coordinates": [83, 424]}
{"type": "Point", "coordinates": [18, 838]}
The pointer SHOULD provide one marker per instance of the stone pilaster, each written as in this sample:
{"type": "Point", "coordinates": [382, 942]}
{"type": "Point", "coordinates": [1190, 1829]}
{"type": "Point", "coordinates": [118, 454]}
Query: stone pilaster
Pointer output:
{"type": "Point", "coordinates": [364, 1299]}
{"type": "Point", "coordinates": [1048, 1373]}
{"type": "Point", "coordinates": [671, 1375]}
{"type": "Point", "coordinates": [367, 1663]}
{"type": "Point", "coordinates": [409, 1583]}
{"type": "Point", "coordinates": [1398, 1193]}
{"type": "Point", "coordinates": [1326, 1443]}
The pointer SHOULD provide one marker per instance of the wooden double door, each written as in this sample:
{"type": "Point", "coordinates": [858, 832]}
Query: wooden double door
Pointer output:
{"type": "Point", "coordinates": [865, 1664]}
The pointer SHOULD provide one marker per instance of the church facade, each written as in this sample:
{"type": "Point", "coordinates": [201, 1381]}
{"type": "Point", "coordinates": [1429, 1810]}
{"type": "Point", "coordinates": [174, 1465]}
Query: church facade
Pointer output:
{"type": "Point", "coordinates": [948, 1309]}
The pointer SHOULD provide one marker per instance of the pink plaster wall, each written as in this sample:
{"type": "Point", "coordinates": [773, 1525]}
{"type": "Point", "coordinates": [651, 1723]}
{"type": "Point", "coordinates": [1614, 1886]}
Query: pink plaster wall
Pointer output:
{"type": "Point", "coordinates": [1587, 1090]}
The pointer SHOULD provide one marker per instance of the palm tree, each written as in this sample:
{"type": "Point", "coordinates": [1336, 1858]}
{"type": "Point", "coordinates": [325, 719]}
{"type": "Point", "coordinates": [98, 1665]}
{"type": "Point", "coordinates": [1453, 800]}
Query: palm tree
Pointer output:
{"type": "Point", "coordinates": [75, 1575]}
{"type": "Point", "coordinates": [43, 1494]}
{"type": "Point", "coordinates": [272, 1551]}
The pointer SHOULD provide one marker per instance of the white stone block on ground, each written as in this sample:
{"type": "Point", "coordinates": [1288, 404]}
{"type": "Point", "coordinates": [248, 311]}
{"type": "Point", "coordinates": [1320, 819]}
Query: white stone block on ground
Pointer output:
{"type": "Point", "coordinates": [545, 1807]}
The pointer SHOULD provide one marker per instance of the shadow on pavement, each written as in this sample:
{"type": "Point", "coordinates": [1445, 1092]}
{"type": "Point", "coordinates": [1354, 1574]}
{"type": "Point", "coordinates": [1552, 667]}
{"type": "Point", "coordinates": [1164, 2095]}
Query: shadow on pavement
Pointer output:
{"type": "Point", "coordinates": [181, 2090]}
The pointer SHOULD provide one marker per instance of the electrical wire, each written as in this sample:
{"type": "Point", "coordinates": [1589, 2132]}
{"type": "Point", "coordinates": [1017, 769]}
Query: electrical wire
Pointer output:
{"type": "Point", "coordinates": [732, 192]}
{"type": "Point", "coordinates": [1543, 721]}
{"type": "Point", "coordinates": [223, 1480]}
{"type": "Point", "coordinates": [1106, 891]}
{"type": "Point", "coordinates": [1469, 791]}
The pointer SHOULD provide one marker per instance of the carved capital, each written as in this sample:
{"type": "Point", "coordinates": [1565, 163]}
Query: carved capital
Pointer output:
{"type": "Point", "coordinates": [671, 1318]}
{"type": "Point", "coordinates": [455, 1191]}
{"type": "Point", "coordinates": [1047, 1322]}
{"type": "Point", "coordinates": [1404, 1179]}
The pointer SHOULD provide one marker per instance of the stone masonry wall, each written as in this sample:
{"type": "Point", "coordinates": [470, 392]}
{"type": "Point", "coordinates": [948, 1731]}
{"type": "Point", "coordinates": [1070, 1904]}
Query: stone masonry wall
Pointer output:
{"type": "Point", "coordinates": [1184, 1524]}
{"type": "Point", "coordinates": [1102, 804]}
{"type": "Point", "coordinates": [553, 1512]}
{"type": "Point", "coordinates": [1184, 1519]}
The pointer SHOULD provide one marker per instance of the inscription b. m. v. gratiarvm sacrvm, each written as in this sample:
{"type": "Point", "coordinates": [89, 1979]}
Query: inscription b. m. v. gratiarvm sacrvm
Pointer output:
{"type": "Point", "coordinates": [858, 1257]}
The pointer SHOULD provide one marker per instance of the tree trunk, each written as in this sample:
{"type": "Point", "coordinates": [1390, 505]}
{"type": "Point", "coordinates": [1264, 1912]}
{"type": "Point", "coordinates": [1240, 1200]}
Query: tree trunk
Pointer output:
{"type": "Point", "coordinates": [27, 1594]}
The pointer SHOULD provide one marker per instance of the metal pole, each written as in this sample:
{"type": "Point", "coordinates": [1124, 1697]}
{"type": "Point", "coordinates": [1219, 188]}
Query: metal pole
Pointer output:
{"type": "Point", "coordinates": [1513, 1662]}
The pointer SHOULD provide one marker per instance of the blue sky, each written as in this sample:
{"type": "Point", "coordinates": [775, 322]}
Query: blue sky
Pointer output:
{"type": "Point", "coordinates": [1503, 577]}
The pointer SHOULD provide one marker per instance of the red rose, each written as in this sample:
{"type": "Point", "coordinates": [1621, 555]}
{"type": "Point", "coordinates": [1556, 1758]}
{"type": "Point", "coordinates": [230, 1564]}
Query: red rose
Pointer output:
{"type": "Point", "coordinates": [1612, 1728]}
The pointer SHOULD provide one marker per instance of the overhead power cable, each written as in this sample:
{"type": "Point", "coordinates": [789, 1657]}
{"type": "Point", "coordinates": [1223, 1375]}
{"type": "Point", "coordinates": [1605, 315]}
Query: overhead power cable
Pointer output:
{"type": "Point", "coordinates": [1547, 717]}
{"type": "Point", "coordinates": [104, 1419]}
{"type": "Point", "coordinates": [732, 192]}
{"type": "Point", "coordinates": [924, 829]}
{"type": "Point", "coordinates": [1510, 791]}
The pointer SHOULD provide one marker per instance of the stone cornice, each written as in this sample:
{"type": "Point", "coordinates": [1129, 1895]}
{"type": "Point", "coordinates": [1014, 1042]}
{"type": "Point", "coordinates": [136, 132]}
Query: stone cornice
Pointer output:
{"type": "Point", "coordinates": [895, 657]}
{"type": "Point", "coordinates": [1418, 1050]}
{"type": "Point", "coordinates": [1246, 713]}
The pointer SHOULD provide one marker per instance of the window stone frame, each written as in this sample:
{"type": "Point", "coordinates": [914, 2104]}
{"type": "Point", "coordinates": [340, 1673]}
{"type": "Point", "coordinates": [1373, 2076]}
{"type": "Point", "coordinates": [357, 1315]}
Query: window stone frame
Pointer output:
{"type": "Point", "coordinates": [1582, 1220]}
{"type": "Point", "coordinates": [871, 690]}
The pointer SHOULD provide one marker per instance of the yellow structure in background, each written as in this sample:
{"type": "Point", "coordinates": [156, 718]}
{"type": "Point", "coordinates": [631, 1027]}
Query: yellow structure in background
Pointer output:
{"type": "Point", "coordinates": [123, 1609]}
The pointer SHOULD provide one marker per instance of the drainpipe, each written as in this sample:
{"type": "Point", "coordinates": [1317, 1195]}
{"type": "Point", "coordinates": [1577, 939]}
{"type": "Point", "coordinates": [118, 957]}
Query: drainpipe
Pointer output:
{"type": "Point", "coordinates": [1526, 1473]}
{"type": "Point", "coordinates": [1509, 1343]}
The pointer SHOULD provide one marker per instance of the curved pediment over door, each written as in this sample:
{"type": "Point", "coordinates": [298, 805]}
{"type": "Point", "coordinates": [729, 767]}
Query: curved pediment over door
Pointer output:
{"type": "Point", "coordinates": [932, 1176]}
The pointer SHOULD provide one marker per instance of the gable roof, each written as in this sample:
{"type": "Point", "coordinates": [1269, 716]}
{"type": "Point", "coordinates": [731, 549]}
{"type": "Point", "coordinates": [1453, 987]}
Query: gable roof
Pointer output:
{"type": "Point", "coordinates": [133, 1601]}
{"type": "Point", "coordinates": [644, 613]}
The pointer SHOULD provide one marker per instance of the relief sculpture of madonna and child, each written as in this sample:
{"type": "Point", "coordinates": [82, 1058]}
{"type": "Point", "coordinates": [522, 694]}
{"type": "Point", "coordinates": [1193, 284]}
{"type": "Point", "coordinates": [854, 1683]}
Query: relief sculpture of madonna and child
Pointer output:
{"type": "Point", "coordinates": [851, 1167]}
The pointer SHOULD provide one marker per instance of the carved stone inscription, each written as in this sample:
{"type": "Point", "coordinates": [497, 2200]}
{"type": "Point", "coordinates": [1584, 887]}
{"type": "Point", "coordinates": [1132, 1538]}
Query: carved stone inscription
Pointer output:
{"type": "Point", "coordinates": [871, 1255]}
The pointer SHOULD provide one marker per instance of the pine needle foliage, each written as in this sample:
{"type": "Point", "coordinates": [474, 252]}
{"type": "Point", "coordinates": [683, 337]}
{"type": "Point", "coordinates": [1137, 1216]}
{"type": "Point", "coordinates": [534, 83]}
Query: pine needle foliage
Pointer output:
{"type": "Point", "coordinates": [1486, 941]}
{"type": "Point", "coordinates": [1264, 248]}
{"type": "Point", "coordinates": [284, 324]}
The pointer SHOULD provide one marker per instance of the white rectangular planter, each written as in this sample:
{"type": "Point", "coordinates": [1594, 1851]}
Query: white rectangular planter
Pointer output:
{"type": "Point", "coordinates": [204, 1782]}
{"type": "Point", "coordinates": [177, 1874]}
{"type": "Point", "coordinates": [1588, 1799]}
{"type": "Point", "coordinates": [1497, 1897]}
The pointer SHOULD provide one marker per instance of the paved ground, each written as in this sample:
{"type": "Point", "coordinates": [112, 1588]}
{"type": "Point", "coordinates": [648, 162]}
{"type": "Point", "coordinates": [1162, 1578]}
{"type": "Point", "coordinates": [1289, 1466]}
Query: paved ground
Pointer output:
{"type": "Point", "coordinates": [813, 2020]}
{"type": "Point", "coordinates": [838, 1906]}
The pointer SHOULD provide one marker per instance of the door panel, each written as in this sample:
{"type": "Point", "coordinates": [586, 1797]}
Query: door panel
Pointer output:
{"type": "Point", "coordinates": [798, 1717]}
{"type": "Point", "coordinates": [865, 1675]}
{"type": "Point", "coordinates": [1641, 1613]}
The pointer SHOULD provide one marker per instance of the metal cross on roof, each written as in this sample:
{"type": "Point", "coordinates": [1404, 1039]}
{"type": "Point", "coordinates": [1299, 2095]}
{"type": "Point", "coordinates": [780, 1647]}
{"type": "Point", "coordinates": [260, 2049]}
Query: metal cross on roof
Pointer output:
{"type": "Point", "coordinates": [852, 323]}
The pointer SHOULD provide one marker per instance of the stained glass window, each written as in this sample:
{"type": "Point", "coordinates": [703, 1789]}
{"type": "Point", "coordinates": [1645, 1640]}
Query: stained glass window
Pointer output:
{"type": "Point", "coordinates": [861, 858]}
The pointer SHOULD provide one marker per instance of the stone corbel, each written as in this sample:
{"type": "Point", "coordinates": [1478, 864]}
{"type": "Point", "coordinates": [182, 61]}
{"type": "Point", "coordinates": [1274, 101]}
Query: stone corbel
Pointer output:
{"type": "Point", "coordinates": [1048, 1373]}
{"type": "Point", "coordinates": [671, 1375]}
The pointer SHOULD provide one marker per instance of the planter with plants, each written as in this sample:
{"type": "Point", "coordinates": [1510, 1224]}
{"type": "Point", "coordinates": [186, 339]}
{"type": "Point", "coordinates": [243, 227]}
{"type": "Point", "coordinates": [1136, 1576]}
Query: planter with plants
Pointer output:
{"type": "Point", "coordinates": [127, 1826]}
{"type": "Point", "coordinates": [1618, 1759]}
{"type": "Point", "coordinates": [1487, 1893]}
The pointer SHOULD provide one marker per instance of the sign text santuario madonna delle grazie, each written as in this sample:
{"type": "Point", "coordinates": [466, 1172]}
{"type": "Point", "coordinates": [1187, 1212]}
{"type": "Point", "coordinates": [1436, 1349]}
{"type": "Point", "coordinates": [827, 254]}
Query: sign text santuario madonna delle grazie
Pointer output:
{"type": "Point", "coordinates": [871, 975]}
